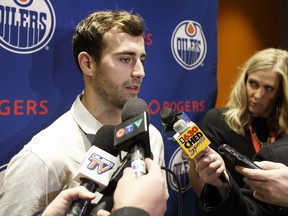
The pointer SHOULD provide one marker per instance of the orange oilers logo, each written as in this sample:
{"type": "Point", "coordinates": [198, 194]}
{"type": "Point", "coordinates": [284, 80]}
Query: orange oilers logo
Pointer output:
{"type": "Point", "coordinates": [99, 162]}
{"type": "Point", "coordinates": [188, 44]}
{"type": "Point", "coordinates": [26, 26]}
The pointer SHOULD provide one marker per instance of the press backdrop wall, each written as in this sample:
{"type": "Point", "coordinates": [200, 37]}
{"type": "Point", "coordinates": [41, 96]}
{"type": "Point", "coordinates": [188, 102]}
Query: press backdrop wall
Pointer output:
{"type": "Point", "coordinates": [39, 79]}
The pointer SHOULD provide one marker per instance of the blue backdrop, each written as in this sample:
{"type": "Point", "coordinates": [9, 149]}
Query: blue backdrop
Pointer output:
{"type": "Point", "coordinates": [39, 79]}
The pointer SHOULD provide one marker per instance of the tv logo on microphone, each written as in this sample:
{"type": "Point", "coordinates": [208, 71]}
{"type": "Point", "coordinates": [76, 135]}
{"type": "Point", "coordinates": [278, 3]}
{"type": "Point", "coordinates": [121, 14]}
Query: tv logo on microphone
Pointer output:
{"type": "Point", "coordinates": [97, 161]}
{"type": "Point", "coordinates": [129, 128]}
{"type": "Point", "coordinates": [132, 130]}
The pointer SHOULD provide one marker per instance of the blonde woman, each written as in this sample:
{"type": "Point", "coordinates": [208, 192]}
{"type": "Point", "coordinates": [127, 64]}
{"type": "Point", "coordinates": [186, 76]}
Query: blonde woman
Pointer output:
{"type": "Point", "coordinates": [256, 113]}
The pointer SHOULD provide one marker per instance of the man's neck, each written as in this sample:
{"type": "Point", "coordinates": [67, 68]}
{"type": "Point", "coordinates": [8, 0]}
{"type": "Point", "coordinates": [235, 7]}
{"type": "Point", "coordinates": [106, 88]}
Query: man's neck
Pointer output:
{"type": "Point", "coordinates": [103, 112]}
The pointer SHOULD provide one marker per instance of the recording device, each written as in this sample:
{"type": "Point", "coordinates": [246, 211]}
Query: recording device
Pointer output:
{"type": "Point", "coordinates": [97, 168]}
{"type": "Point", "coordinates": [190, 137]}
{"type": "Point", "coordinates": [236, 158]}
{"type": "Point", "coordinates": [132, 135]}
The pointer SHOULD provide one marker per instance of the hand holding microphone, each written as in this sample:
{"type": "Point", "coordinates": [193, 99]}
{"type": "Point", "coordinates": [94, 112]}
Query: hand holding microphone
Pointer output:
{"type": "Point", "coordinates": [210, 166]}
{"type": "Point", "coordinates": [148, 192]}
{"type": "Point", "coordinates": [131, 136]}
{"type": "Point", "coordinates": [195, 146]}
{"type": "Point", "coordinates": [62, 202]}
{"type": "Point", "coordinates": [97, 168]}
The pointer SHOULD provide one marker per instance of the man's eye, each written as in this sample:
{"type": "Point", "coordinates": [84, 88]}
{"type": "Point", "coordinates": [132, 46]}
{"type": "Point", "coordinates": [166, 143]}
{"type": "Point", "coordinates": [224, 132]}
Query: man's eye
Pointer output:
{"type": "Point", "coordinates": [143, 61]}
{"type": "Point", "coordinates": [126, 60]}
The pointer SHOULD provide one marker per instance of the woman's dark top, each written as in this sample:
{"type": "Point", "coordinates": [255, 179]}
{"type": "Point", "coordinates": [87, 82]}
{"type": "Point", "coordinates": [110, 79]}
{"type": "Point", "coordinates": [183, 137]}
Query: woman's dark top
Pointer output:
{"type": "Point", "coordinates": [218, 132]}
{"type": "Point", "coordinates": [240, 202]}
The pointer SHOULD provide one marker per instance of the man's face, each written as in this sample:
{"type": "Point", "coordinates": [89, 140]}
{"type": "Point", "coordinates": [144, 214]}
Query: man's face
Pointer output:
{"type": "Point", "coordinates": [263, 89]}
{"type": "Point", "coordinates": [120, 72]}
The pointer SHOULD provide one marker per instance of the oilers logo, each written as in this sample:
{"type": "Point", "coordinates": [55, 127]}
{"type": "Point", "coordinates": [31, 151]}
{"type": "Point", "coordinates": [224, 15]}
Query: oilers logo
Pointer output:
{"type": "Point", "coordinates": [26, 26]}
{"type": "Point", "coordinates": [188, 44]}
{"type": "Point", "coordinates": [179, 165]}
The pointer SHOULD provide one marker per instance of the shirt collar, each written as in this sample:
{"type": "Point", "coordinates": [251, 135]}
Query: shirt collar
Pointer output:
{"type": "Point", "coordinates": [83, 117]}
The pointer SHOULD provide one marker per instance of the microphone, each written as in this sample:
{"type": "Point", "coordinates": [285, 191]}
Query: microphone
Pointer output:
{"type": "Point", "coordinates": [97, 168]}
{"type": "Point", "coordinates": [132, 135]}
{"type": "Point", "coordinates": [106, 202]}
{"type": "Point", "coordinates": [131, 110]}
{"type": "Point", "coordinates": [168, 118]}
{"type": "Point", "coordinates": [109, 190]}
{"type": "Point", "coordinates": [192, 140]}
{"type": "Point", "coordinates": [190, 137]}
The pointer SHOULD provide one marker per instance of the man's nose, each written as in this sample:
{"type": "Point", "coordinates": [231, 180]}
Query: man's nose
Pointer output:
{"type": "Point", "coordinates": [138, 70]}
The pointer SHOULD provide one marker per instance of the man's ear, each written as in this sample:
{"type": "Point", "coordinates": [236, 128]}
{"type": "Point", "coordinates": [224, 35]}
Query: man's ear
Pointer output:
{"type": "Point", "coordinates": [85, 62]}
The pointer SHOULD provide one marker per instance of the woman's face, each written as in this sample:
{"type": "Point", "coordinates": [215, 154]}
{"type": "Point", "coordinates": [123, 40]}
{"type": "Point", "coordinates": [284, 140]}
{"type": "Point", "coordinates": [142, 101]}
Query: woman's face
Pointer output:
{"type": "Point", "coordinates": [263, 90]}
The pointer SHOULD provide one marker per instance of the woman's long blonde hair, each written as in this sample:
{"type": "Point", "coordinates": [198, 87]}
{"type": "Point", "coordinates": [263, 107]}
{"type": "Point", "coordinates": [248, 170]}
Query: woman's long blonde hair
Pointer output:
{"type": "Point", "coordinates": [237, 116]}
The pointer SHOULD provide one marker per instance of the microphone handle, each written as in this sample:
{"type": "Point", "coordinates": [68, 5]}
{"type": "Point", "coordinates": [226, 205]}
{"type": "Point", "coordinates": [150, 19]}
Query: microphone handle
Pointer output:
{"type": "Point", "coordinates": [109, 190]}
{"type": "Point", "coordinates": [137, 159]}
{"type": "Point", "coordinates": [79, 207]}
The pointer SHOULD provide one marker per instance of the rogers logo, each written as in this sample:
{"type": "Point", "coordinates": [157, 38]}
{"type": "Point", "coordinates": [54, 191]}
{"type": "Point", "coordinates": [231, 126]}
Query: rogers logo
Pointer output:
{"type": "Point", "coordinates": [188, 44]}
{"type": "Point", "coordinates": [26, 26]}
{"type": "Point", "coordinates": [177, 106]}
